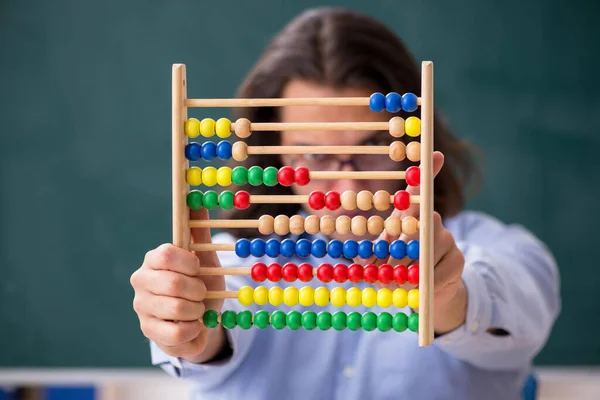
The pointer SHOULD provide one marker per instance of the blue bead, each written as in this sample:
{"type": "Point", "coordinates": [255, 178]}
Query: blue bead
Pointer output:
{"type": "Point", "coordinates": [350, 249]}
{"type": "Point", "coordinates": [335, 248]}
{"type": "Point", "coordinates": [409, 102]}
{"type": "Point", "coordinates": [398, 249]}
{"type": "Point", "coordinates": [193, 151]}
{"type": "Point", "coordinates": [242, 248]}
{"type": "Point", "coordinates": [393, 102]}
{"type": "Point", "coordinates": [287, 248]}
{"type": "Point", "coordinates": [377, 102]}
{"type": "Point", "coordinates": [257, 248]}
{"type": "Point", "coordinates": [365, 249]}
{"type": "Point", "coordinates": [381, 249]}
{"type": "Point", "coordinates": [209, 150]}
{"type": "Point", "coordinates": [303, 248]}
{"type": "Point", "coordinates": [319, 248]}
{"type": "Point", "coordinates": [272, 248]}
{"type": "Point", "coordinates": [224, 149]}
{"type": "Point", "coordinates": [412, 249]}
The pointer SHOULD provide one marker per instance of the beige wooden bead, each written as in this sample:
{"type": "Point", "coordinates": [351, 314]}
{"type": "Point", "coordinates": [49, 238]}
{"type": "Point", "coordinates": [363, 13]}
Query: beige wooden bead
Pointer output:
{"type": "Point", "coordinates": [393, 226]}
{"type": "Point", "coordinates": [397, 151]}
{"type": "Point", "coordinates": [296, 224]}
{"type": "Point", "coordinates": [327, 225]}
{"type": "Point", "coordinates": [381, 200]}
{"type": "Point", "coordinates": [375, 225]}
{"type": "Point", "coordinates": [239, 151]}
{"type": "Point", "coordinates": [242, 128]}
{"type": "Point", "coordinates": [396, 125]}
{"type": "Point", "coordinates": [409, 225]}
{"type": "Point", "coordinates": [364, 200]}
{"type": "Point", "coordinates": [359, 225]}
{"type": "Point", "coordinates": [413, 151]}
{"type": "Point", "coordinates": [282, 225]}
{"type": "Point", "coordinates": [311, 225]}
{"type": "Point", "coordinates": [342, 224]}
{"type": "Point", "coordinates": [266, 224]}
{"type": "Point", "coordinates": [348, 200]}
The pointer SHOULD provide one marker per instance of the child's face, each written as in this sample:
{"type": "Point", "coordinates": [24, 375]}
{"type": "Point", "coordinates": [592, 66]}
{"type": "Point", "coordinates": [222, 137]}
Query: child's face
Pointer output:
{"type": "Point", "coordinates": [338, 138]}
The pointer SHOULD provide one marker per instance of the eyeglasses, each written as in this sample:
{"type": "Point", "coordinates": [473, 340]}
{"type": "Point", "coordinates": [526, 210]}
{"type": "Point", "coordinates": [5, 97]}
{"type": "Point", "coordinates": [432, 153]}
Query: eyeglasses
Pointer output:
{"type": "Point", "coordinates": [330, 162]}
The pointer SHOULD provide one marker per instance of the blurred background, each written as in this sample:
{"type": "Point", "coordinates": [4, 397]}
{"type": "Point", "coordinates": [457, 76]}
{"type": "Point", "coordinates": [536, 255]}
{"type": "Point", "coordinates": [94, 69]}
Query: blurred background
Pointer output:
{"type": "Point", "coordinates": [85, 159]}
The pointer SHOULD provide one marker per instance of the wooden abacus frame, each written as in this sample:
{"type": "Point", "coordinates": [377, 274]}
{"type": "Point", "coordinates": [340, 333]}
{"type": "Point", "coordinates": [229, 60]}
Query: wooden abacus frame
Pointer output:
{"type": "Point", "coordinates": [181, 220]}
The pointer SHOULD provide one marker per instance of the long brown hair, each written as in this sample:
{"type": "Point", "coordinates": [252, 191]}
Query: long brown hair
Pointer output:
{"type": "Point", "coordinates": [340, 48]}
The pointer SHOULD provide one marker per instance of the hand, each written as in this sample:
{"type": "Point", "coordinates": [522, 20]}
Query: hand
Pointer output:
{"type": "Point", "coordinates": [169, 298]}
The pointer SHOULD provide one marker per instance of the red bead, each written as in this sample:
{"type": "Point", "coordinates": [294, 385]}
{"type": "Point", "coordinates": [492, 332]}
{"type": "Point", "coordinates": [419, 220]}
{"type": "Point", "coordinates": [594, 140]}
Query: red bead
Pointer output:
{"type": "Point", "coordinates": [289, 272]}
{"type": "Point", "coordinates": [400, 274]}
{"type": "Point", "coordinates": [285, 176]}
{"type": "Point", "coordinates": [301, 176]}
{"type": "Point", "coordinates": [325, 272]}
{"type": "Point", "coordinates": [241, 200]}
{"type": "Point", "coordinates": [355, 273]}
{"type": "Point", "coordinates": [413, 176]}
{"type": "Point", "coordinates": [402, 200]}
{"type": "Point", "coordinates": [316, 200]}
{"type": "Point", "coordinates": [274, 272]}
{"type": "Point", "coordinates": [340, 273]}
{"type": "Point", "coordinates": [385, 274]}
{"type": "Point", "coordinates": [305, 272]}
{"type": "Point", "coordinates": [413, 274]}
{"type": "Point", "coordinates": [370, 273]}
{"type": "Point", "coordinates": [259, 272]}
{"type": "Point", "coordinates": [332, 200]}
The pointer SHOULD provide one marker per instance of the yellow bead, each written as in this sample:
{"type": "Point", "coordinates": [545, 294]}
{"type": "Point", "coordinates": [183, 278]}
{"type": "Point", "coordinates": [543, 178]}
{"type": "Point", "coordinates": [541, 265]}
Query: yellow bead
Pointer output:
{"type": "Point", "coordinates": [223, 128]}
{"type": "Point", "coordinates": [246, 295]}
{"type": "Point", "coordinates": [209, 176]}
{"type": "Point", "coordinates": [193, 176]}
{"type": "Point", "coordinates": [207, 127]}
{"type": "Point", "coordinates": [224, 176]}
{"type": "Point", "coordinates": [413, 298]}
{"type": "Point", "coordinates": [290, 296]}
{"type": "Point", "coordinates": [354, 297]}
{"type": "Point", "coordinates": [338, 297]}
{"type": "Point", "coordinates": [276, 296]}
{"type": "Point", "coordinates": [400, 297]}
{"type": "Point", "coordinates": [322, 296]}
{"type": "Point", "coordinates": [261, 295]}
{"type": "Point", "coordinates": [384, 298]}
{"type": "Point", "coordinates": [192, 127]}
{"type": "Point", "coordinates": [307, 296]}
{"type": "Point", "coordinates": [369, 297]}
{"type": "Point", "coordinates": [412, 125]}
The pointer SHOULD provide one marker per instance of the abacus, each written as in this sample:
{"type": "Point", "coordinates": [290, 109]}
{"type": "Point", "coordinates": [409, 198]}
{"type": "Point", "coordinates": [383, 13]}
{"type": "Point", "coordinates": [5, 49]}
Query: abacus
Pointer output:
{"type": "Point", "coordinates": [421, 275]}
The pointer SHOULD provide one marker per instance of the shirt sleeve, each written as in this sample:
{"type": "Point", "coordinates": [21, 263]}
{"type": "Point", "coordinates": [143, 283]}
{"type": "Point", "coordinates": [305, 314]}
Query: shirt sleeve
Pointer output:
{"type": "Point", "coordinates": [513, 295]}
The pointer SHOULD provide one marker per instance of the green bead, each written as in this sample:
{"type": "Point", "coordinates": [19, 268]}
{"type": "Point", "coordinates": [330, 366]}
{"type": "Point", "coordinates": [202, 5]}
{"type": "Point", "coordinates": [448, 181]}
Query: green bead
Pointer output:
{"type": "Point", "coordinates": [211, 200]}
{"type": "Point", "coordinates": [400, 322]}
{"type": "Point", "coordinates": [228, 319]}
{"type": "Point", "coordinates": [210, 318]}
{"type": "Point", "coordinates": [353, 321]}
{"type": "Point", "coordinates": [255, 176]}
{"type": "Point", "coordinates": [194, 199]}
{"type": "Point", "coordinates": [293, 320]}
{"type": "Point", "coordinates": [413, 322]}
{"type": "Point", "coordinates": [278, 320]}
{"type": "Point", "coordinates": [244, 319]}
{"type": "Point", "coordinates": [338, 320]}
{"type": "Point", "coordinates": [239, 176]}
{"type": "Point", "coordinates": [369, 321]}
{"type": "Point", "coordinates": [226, 200]}
{"type": "Point", "coordinates": [384, 321]}
{"type": "Point", "coordinates": [261, 319]}
{"type": "Point", "coordinates": [324, 320]}
{"type": "Point", "coordinates": [309, 320]}
{"type": "Point", "coordinates": [270, 176]}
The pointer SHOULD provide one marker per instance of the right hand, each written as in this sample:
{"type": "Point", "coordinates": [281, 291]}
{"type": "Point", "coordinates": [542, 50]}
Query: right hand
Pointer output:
{"type": "Point", "coordinates": [169, 298]}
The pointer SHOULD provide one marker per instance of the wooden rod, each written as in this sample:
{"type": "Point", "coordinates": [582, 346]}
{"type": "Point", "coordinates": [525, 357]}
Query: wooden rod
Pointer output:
{"type": "Point", "coordinates": [221, 294]}
{"type": "Point", "coordinates": [204, 271]}
{"type": "Point", "coordinates": [224, 223]}
{"type": "Point", "coordinates": [302, 199]}
{"type": "Point", "coordinates": [357, 175]}
{"type": "Point", "coordinates": [325, 126]}
{"type": "Point", "coordinates": [180, 216]}
{"type": "Point", "coordinates": [280, 102]}
{"type": "Point", "coordinates": [212, 247]}
{"type": "Point", "coordinates": [318, 149]}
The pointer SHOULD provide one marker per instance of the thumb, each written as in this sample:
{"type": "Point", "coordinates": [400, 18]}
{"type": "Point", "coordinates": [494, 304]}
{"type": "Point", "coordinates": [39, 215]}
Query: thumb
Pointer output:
{"type": "Point", "coordinates": [200, 235]}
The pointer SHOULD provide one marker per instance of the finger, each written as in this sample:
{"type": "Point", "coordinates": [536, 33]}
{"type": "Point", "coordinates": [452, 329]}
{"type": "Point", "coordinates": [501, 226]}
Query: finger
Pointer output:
{"type": "Point", "coordinates": [168, 333]}
{"type": "Point", "coordinates": [195, 346]}
{"type": "Point", "coordinates": [173, 284]}
{"type": "Point", "coordinates": [448, 270]}
{"type": "Point", "coordinates": [172, 258]}
{"type": "Point", "coordinates": [202, 235]}
{"type": "Point", "coordinates": [413, 209]}
{"type": "Point", "coordinates": [168, 308]}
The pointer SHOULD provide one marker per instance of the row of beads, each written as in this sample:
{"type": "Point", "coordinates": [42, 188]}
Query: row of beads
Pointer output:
{"type": "Point", "coordinates": [319, 248]}
{"type": "Point", "coordinates": [339, 273]}
{"type": "Point", "coordinates": [309, 320]}
{"type": "Point", "coordinates": [322, 296]}
{"type": "Point", "coordinates": [393, 102]}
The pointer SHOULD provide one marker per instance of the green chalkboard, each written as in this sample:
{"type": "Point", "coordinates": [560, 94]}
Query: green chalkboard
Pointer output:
{"type": "Point", "coordinates": [85, 146]}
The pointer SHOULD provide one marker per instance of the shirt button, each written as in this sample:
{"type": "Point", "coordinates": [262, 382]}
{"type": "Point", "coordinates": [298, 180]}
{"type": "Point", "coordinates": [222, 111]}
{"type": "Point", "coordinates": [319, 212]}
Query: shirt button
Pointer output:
{"type": "Point", "coordinates": [474, 327]}
{"type": "Point", "coordinates": [348, 372]}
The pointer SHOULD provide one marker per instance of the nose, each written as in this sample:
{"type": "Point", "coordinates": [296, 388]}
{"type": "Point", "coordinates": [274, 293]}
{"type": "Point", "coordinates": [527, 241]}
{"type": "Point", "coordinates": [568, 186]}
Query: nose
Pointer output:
{"type": "Point", "coordinates": [342, 185]}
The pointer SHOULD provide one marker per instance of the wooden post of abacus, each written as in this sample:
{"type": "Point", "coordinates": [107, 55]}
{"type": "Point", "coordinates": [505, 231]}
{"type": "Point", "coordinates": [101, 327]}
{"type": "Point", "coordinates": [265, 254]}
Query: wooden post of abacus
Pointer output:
{"type": "Point", "coordinates": [426, 321]}
{"type": "Point", "coordinates": [181, 233]}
